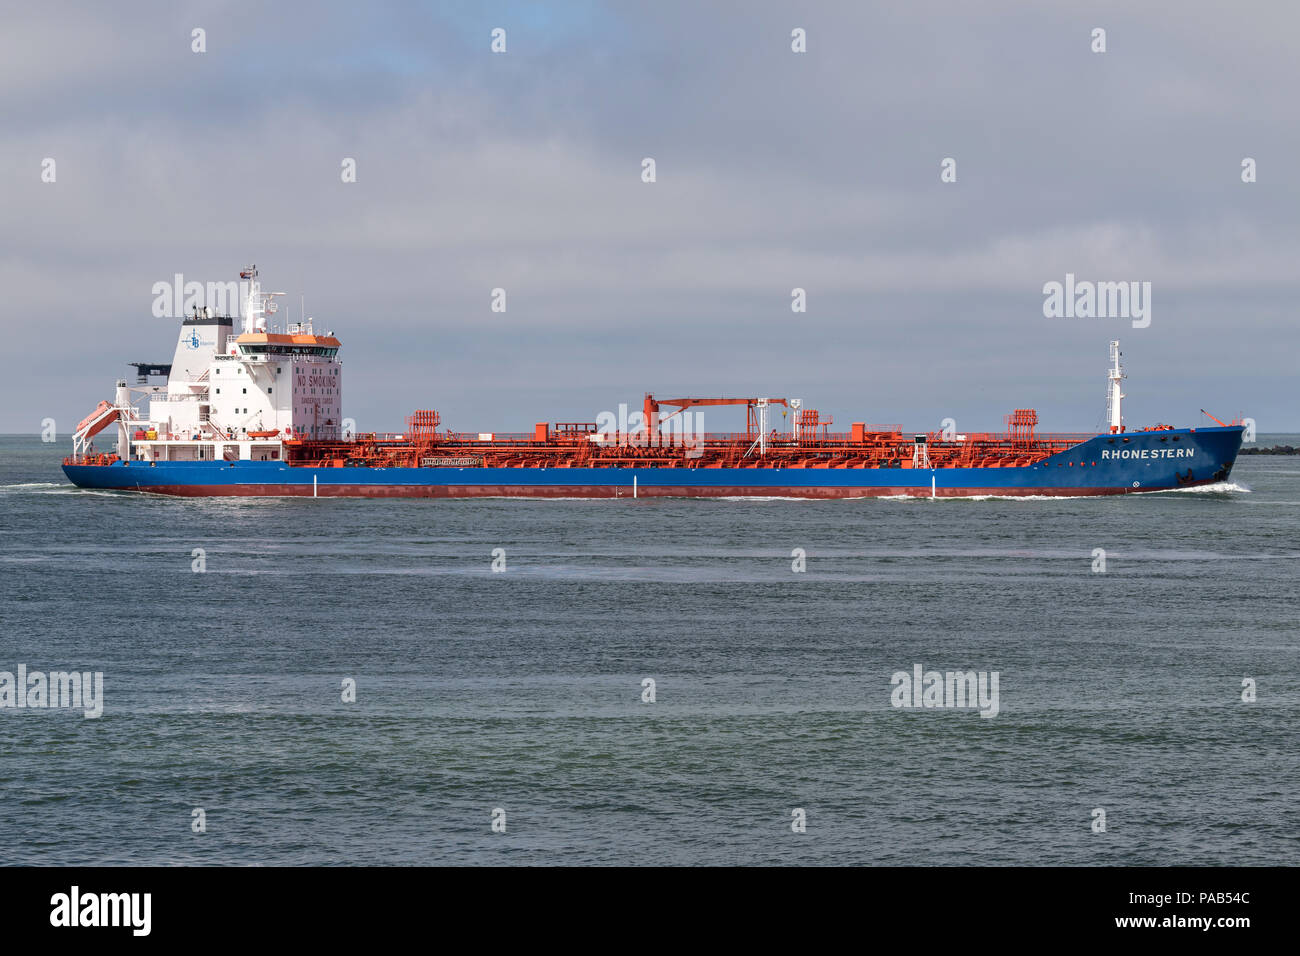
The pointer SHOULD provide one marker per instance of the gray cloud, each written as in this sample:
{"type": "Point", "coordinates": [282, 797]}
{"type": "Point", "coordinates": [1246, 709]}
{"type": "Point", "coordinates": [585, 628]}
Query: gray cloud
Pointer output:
{"type": "Point", "coordinates": [775, 170]}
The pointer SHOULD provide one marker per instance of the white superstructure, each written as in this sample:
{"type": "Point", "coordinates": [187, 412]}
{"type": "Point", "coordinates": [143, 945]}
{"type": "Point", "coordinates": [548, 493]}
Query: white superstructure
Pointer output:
{"type": "Point", "coordinates": [230, 396]}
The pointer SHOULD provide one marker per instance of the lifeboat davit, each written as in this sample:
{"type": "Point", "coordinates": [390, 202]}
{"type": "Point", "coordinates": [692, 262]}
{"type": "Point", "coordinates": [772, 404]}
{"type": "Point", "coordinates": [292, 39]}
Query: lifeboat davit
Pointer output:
{"type": "Point", "coordinates": [94, 423]}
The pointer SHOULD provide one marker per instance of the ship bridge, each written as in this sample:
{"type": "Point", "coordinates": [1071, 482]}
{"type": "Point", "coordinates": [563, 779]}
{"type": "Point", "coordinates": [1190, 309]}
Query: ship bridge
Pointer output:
{"type": "Point", "coordinates": [232, 395]}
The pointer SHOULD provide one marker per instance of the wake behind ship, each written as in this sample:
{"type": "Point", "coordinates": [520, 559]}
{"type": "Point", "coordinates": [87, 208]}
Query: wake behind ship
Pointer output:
{"type": "Point", "coordinates": [259, 413]}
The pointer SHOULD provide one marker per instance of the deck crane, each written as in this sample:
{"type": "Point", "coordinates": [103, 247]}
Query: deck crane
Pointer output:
{"type": "Point", "coordinates": [755, 413]}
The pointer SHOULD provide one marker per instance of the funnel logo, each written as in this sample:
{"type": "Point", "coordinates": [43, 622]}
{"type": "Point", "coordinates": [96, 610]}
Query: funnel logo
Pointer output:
{"type": "Point", "coordinates": [192, 341]}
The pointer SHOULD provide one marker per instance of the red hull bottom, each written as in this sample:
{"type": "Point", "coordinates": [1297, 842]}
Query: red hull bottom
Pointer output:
{"type": "Point", "coordinates": [496, 491]}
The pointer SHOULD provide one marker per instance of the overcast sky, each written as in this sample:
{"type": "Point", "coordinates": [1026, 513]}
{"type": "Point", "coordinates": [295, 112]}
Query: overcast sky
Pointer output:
{"type": "Point", "coordinates": [775, 170]}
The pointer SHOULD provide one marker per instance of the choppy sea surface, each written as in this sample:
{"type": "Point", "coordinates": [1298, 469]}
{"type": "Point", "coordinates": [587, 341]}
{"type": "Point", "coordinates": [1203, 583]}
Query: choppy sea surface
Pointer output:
{"type": "Point", "coordinates": [520, 692]}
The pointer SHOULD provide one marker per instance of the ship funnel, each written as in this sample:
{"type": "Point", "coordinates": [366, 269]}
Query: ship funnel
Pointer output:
{"type": "Point", "coordinates": [253, 304]}
{"type": "Point", "coordinates": [202, 337]}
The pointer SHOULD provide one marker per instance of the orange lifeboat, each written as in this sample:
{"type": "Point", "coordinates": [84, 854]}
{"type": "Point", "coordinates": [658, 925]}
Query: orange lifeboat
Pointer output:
{"type": "Point", "coordinates": [264, 434]}
{"type": "Point", "coordinates": [103, 416]}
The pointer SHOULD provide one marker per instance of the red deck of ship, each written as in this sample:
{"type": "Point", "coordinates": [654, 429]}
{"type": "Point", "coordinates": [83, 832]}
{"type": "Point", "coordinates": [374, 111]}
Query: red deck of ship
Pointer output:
{"type": "Point", "coordinates": [571, 445]}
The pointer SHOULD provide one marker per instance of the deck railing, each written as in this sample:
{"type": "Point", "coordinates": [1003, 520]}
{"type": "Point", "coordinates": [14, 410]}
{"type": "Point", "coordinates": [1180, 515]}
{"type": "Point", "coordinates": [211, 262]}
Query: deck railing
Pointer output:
{"type": "Point", "coordinates": [871, 433]}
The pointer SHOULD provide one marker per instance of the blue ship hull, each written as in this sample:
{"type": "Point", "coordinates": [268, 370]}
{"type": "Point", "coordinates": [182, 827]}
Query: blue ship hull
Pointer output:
{"type": "Point", "coordinates": [1107, 464]}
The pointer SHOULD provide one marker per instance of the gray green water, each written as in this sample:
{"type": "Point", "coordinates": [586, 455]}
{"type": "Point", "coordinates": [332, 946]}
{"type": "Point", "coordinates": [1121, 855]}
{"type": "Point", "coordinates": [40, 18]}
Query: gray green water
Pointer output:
{"type": "Point", "coordinates": [522, 689]}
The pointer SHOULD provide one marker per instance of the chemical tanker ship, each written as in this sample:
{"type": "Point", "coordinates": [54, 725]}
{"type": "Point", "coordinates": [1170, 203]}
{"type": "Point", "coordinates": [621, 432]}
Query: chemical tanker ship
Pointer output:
{"type": "Point", "coordinates": [260, 413]}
